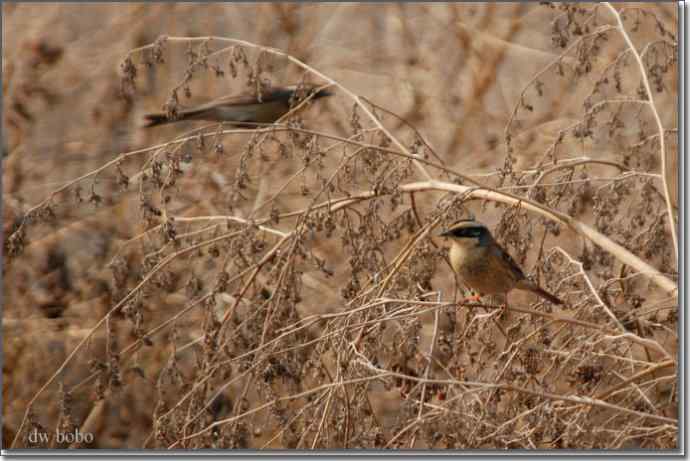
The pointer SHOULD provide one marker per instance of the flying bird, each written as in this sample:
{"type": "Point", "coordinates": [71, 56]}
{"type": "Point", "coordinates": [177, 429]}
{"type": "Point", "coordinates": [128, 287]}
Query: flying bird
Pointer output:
{"type": "Point", "coordinates": [245, 110]}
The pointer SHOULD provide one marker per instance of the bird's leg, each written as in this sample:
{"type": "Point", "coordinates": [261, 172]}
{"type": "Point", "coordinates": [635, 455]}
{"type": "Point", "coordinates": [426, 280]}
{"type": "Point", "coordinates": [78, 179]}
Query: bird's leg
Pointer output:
{"type": "Point", "coordinates": [469, 296]}
{"type": "Point", "coordinates": [474, 298]}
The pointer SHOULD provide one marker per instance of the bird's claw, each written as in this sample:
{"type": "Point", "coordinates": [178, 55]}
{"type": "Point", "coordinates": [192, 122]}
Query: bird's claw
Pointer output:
{"type": "Point", "coordinates": [473, 298]}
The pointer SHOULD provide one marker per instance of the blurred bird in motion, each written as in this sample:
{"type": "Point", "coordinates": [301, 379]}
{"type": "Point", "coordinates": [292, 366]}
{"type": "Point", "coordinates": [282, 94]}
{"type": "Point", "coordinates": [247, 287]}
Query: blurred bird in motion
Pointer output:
{"type": "Point", "coordinates": [483, 265]}
{"type": "Point", "coordinates": [245, 110]}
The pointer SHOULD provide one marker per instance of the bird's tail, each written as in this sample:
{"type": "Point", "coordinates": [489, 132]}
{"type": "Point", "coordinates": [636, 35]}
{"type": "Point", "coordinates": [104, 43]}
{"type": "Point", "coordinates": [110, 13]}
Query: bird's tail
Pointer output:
{"type": "Point", "coordinates": [161, 118]}
{"type": "Point", "coordinates": [547, 296]}
{"type": "Point", "coordinates": [539, 291]}
{"type": "Point", "coordinates": [155, 119]}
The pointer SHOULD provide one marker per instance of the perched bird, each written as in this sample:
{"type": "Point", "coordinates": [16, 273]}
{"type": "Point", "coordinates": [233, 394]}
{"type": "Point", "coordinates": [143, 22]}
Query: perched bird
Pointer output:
{"type": "Point", "coordinates": [245, 110]}
{"type": "Point", "coordinates": [483, 265]}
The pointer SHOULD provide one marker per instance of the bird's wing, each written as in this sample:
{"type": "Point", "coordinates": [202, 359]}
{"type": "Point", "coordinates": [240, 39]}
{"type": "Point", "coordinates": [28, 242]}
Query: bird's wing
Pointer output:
{"type": "Point", "coordinates": [230, 100]}
{"type": "Point", "coordinates": [509, 262]}
{"type": "Point", "coordinates": [269, 95]}
{"type": "Point", "coordinates": [523, 283]}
